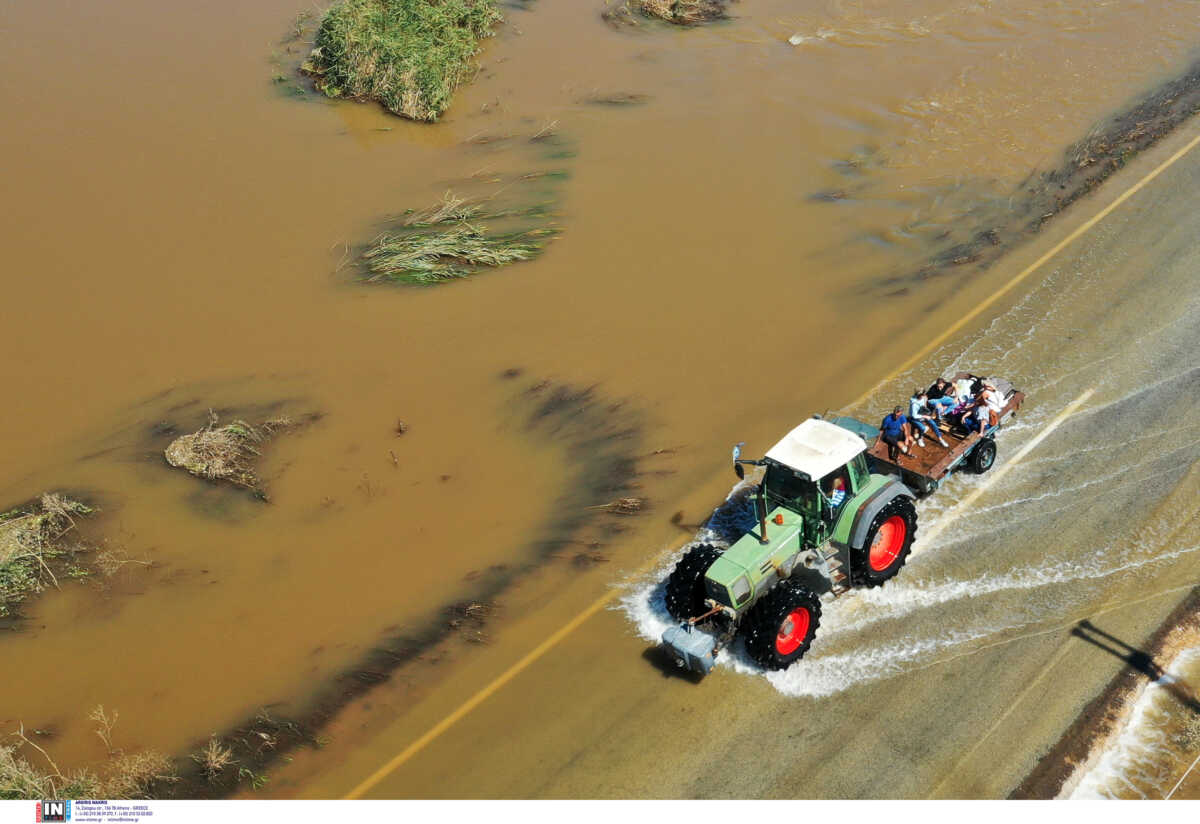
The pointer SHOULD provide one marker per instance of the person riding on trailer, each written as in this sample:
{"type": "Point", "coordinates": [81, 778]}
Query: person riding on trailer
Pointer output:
{"type": "Point", "coordinates": [986, 410]}
{"type": "Point", "coordinates": [895, 433]}
{"type": "Point", "coordinates": [924, 418]}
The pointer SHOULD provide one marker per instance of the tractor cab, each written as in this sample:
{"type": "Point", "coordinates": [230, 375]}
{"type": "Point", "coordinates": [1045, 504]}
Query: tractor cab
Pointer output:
{"type": "Point", "coordinates": [815, 470]}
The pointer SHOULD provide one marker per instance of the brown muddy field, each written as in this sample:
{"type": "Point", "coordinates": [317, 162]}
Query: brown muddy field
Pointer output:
{"type": "Point", "coordinates": [753, 231]}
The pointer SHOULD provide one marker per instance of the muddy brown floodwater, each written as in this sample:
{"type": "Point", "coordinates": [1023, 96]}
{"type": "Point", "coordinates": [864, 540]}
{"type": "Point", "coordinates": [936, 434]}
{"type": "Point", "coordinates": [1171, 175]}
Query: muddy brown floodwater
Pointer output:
{"type": "Point", "coordinates": [178, 235]}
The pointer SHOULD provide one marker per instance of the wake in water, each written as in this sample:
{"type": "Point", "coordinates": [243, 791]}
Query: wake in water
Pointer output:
{"type": "Point", "coordinates": [1158, 743]}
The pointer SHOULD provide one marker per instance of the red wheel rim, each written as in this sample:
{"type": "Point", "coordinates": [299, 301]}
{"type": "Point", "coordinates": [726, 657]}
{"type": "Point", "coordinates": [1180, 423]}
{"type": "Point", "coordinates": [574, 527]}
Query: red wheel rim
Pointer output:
{"type": "Point", "coordinates": [793, 631]}
{"type": "Point", "coordinates": [889, 540]}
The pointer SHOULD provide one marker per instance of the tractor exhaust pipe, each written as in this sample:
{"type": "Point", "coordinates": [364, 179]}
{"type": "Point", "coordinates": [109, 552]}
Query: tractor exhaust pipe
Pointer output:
{"type": "Point", "coordinates": [762, 517]}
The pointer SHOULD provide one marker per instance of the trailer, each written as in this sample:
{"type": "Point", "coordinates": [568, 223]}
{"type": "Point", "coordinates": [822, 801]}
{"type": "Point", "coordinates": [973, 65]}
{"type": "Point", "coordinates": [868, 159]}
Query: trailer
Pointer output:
{"type": "Point", "coordinates": [925, 467]}
{"type": "Point", "coordinates": [831, 512]}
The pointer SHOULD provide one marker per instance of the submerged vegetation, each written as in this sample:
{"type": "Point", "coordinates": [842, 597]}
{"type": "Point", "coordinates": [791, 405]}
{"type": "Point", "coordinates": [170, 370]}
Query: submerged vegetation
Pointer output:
{"type": "Point", "coordinates": [449, 241]}
{"type": "Point", "coordinates": [226, 453]}
{"type": "Point", "coordinates": [679, 12]}
{"type": "Point", "coordinates": [410, 55]}
{"type": "Point", "coordinates": [31, 539]}
{"type": "Point", "coordinates": [139, 774]}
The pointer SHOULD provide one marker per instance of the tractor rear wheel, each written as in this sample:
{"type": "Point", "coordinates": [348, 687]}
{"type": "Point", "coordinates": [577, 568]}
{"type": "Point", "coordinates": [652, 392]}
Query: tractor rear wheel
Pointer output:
{"type": "Point", "coordinates": [888, 542]}
{"type": "Point", "coordinates": [983, 456]}
{"type": "Point", "coordinates": [780, 628]}
{"type": "Point", "coordinates": [685, 586]}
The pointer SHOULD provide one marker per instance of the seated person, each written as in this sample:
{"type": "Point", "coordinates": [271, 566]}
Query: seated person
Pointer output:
{"type": "Point", "coordinates": [919, 416]}
{"type": "Point", "coordinates": [895, 433]}
{"type": "Point", "coordinates": [940, 397]}
{"type": "Point", "coordinates": [985, 409]}
{"type": "Point", "coordinates": [962, 391]}
{"type": "Point", "coordinates": [940, 388]}
{"type": "Point", "coordinates": [835, 491]}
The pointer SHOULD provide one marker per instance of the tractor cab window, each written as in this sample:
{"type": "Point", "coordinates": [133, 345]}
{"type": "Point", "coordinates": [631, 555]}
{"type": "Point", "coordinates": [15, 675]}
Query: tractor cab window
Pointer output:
{"type": "Point", "coordinates": [859, 473]}
{"type": "Point", "coordinates": [789, 488]}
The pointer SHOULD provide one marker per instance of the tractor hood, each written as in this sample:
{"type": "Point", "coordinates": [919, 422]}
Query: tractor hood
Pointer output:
{"type": "Point", "coordinates": [738, 572]}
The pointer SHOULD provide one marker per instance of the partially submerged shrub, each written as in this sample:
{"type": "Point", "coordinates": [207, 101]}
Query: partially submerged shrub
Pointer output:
{"type": "Point", "coordinates": [133, 775]}
{"type": "Point", "coordinates": [445, 254]}
{"type": "Point", "coordinates": [679, 12]}
{"type": "Point", "coordinates": [19, 779]}
{"type": "Point", "coordinates": [225, 453]}
{"type": "Point", "coordinates": [408, 54]}
{"type": "Point", "coordinates": [214, 758]}
{"type": "Point", "coordinates": [30, 538]}
{"type": "Point", "coordinates": [219, 453]}
{"type": "Point", "coordinates": [441, 243]}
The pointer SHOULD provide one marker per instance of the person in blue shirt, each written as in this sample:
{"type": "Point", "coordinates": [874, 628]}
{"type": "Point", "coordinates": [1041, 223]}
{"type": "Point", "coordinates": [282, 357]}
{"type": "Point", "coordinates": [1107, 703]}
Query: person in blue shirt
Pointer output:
{"type": "Point", "coordinates": [895, 433]}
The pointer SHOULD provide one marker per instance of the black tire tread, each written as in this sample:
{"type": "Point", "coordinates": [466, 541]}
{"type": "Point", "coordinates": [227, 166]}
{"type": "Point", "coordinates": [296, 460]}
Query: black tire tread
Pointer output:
{"type": "Point", "coordinates": [685, 585]}
{"type": "Point", "coordinates": [977, 453]}
{"type": "Point", "coordinates": [761, 624]}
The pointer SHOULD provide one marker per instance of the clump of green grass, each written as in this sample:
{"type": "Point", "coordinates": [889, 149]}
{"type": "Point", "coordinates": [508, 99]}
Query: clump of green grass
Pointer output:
{"type": "Point", "coordinates": [408, 54]}
{"type": "Point", "coordinates": [448, 253]}
{"type": "Point", "coordinates": [442, 243]}
{"type": "Point", "coordinates": [30, 538]}
{"type": "Point", "coordinates": [679, 12]}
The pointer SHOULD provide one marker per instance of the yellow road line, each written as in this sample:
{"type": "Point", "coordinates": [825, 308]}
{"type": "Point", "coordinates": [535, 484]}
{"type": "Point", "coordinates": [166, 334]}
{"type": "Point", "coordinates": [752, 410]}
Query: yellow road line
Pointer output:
{"type": "Point", "coordinates": [485, 693]}
{"type": "Point", "coordinates": [955, 327]}
{"type": "Point", "coordinates": [997, 475]}
{"type": "Point", "coordinates": [600, 603]}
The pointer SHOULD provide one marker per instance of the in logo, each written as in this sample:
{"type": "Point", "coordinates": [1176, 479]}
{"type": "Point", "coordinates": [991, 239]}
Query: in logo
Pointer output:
{"type": "Point", "coordinates": [54, 811]}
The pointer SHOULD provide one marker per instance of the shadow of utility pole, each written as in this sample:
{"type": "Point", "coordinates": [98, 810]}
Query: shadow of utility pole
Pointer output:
{"type": "Point", "coordinates": [1138, 660]}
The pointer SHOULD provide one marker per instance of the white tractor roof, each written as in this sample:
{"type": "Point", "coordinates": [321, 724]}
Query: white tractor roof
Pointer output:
{"type": "Point", "coordinates": [816, 447]}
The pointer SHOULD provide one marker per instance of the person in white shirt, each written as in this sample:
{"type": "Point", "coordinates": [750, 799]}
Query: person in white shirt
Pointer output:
{"type": "Point", "coordinates": [987, 408]}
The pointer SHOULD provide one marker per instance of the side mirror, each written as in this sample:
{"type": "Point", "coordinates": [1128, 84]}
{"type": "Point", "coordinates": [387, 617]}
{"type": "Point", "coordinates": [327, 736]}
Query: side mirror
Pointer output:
{"type": "Point", "coordinates": [737, 467]}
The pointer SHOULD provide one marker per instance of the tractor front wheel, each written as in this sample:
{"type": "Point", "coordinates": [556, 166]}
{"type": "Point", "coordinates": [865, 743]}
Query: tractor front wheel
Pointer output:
{"type": "Point", "coordinates": [888, 542]}
{"type": "Point", "coordinates": [780, 628]}
{"type": "Point", "coordinates": [685, 586]}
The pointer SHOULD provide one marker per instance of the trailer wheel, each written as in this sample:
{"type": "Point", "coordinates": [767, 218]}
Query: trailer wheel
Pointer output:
{"type": "Point", "coordinates": [780, 628]}
{"type": "Point", "coordinates": [983, 456]}
{"type": "Point", "coordinates": [887, 545]}
{"type": "Point", "coordinates": [685, 586]}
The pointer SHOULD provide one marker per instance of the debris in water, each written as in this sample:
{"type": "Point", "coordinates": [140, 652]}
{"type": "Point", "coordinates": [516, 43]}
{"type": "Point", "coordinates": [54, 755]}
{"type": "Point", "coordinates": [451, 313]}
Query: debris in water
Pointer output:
{"type": "Point", "coordinates": [679, 12]}
{"type": "Point", "coordinates": [623, 506]}
{"type": "Point", "coordinates": [616, 98]}
{"type": "Point", "coordinates": [227, 453]}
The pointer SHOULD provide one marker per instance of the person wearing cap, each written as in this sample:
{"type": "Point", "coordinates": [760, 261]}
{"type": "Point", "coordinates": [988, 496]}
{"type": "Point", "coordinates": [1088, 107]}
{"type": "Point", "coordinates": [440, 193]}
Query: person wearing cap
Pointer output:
{"type": "Point", "coordinates": [894, 431]}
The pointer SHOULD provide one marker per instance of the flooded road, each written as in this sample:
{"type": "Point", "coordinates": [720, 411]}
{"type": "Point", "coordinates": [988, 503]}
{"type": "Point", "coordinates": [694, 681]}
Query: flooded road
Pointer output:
{"type": "Point", "coordinates": [178, 230]}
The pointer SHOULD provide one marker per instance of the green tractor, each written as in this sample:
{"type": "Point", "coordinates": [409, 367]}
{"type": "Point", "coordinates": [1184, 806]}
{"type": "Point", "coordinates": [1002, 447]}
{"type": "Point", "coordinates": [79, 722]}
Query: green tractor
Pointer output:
{"type": "Point", "coordinates": [825, 523]}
